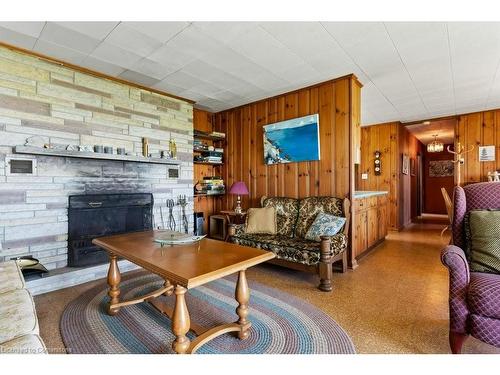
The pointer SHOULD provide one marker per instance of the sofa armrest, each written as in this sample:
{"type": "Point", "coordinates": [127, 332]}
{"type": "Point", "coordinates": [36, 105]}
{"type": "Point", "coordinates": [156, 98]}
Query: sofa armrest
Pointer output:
{"type": "Point", "coordinates": [236, 229]}
{"type": "Point", "coordinates": [454, 259]}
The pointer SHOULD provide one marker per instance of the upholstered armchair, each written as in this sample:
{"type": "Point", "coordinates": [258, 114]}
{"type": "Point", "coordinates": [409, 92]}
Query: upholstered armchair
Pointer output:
{"type": "Point", "coordinates": [474, 297]}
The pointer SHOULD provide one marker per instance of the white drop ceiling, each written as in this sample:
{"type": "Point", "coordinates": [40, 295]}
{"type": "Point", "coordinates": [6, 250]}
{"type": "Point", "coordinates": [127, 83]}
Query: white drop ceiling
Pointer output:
{"type": "Point", "coordinates": [410, 70]}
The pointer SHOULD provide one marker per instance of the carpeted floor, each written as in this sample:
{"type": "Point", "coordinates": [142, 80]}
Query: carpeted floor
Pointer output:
{"type": "Point", "coordinates": [281, 323]}
{"type": "Point", "coordinates": [394, 302]}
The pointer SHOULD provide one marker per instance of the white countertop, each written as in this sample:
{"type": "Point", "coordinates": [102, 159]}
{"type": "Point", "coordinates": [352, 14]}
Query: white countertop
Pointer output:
{"type": "Point", "coordinates": [364, 194]}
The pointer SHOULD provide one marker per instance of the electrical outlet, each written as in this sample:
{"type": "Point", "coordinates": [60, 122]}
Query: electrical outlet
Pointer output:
{"type": "Point", "coordinates": [364, 176]}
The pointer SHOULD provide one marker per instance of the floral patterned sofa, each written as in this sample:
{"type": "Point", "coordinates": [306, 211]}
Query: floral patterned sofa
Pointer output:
{"type": "Point", "coordinates": [19, 333]}
{"type": "Point", "coordinates": [294, 217]}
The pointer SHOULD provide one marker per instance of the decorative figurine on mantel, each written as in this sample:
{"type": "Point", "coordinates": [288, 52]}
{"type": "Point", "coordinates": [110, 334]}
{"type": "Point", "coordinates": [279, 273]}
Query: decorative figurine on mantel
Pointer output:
{"type": "Point", "coordinates": [172, 148]}
{"type": "Point", "coordinates": [35, 141]}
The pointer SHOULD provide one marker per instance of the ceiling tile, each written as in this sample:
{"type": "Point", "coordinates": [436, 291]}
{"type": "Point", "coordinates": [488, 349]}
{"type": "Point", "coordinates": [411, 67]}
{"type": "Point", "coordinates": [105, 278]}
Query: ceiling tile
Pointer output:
{"type": "Point", "coordinates": [193, 42]}
{"type": "Point", "coordinates": [97, 30]}
{"type": "Point", "coordinates": [181, 79]}
{"type": "Point", "coordinates": [132, 40]}
{"type": "Point", "coordinates": [32, 29]}
{"type": "Point", "coordinates": [152, 68]}
{"type": "Point", "coordinates": [60, 52]}
{"type": "Point", "coordinates": [225, 32]}
{"type": "Point", "coordinates": [162, 31]}
{"type": "Point", "coordinates": [102, 66]}
{"type": "Point", "coordinates": [17, 39]}
{"type": "Point", "coordinates": [115, 55]}
{"type": "Point", "coordinates": [170, 88]}
{"type": "Point", "coordinates": [54, 33]}
{"type": "Point", "coordinates": [138, 78]}
{"type": "Point", "coordinates": [264, 50]}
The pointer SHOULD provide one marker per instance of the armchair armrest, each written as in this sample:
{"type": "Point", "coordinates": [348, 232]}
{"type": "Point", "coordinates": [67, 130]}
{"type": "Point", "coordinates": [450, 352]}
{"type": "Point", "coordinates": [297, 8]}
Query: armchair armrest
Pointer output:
{"type": "Point", "coordinates": [454, 259]}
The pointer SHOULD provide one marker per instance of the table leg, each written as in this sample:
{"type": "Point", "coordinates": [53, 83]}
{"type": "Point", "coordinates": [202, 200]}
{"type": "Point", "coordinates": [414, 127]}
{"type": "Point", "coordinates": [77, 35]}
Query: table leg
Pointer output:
{"type": "Point", "coordinates": [114, 278]}
{"type": "Point", "coordinates": [242, 295]}
{"type": "Point", "coordinates": [180, 321]}
{"type": "Point", "coordinates": [166, 284]}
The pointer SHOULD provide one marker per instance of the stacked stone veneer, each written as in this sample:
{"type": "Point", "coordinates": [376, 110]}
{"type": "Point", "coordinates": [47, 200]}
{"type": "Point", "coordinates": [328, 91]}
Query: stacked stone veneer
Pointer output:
{"type": "Point", "coordinates": [65, 106]}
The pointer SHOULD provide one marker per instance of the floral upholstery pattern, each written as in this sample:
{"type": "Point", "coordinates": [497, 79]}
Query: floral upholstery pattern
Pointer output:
{"type": "Point", "coordinates": [287, 211]}
{"type": "Point", "coordinates": [17, 315]}
{"type": "Point", "coordinates": [11, 277]}
{"type": "Point", "coordinates": [309, 209]}
{"type": "Point", "coordinates": [324, 225]}
{"type": "Point", "coordinates": [292, 249]}
{"type": "Point", "coordinates": [27, 344]}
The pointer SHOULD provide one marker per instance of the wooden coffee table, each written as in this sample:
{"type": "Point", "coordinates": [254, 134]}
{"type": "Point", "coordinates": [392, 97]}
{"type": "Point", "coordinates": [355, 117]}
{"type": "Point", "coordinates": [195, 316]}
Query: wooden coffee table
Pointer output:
{"type": "Point", "coordinates": [183, 267]}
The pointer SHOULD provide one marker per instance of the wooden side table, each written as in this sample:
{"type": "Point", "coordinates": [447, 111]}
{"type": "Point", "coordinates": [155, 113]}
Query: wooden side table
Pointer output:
{"type": "Point", "coordinates": [233, 218]}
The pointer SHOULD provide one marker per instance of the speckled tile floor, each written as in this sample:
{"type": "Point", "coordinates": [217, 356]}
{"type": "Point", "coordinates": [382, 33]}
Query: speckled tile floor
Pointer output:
{"type": "Point", "coordinates": [394, 302]}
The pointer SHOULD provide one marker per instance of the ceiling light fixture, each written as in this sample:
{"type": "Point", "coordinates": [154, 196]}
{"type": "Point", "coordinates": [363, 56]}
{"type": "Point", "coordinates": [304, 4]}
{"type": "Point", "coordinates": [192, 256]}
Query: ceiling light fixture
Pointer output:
{"type": "Point", "coordinates": [435, 145]}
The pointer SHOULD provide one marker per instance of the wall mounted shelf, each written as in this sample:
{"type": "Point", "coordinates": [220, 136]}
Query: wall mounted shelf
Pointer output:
{"type": "Point", "coordinates": [91, 155]}
{"type": "Point", "coordinates": [207, 163]}
{"type": "Point", "coordinates": [208, 137]}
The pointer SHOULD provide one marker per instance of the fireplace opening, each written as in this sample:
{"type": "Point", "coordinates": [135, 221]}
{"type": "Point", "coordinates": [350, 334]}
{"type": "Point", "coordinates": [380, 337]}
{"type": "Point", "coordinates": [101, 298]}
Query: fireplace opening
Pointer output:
{"type": "Point", "coordinates": [96, 215]}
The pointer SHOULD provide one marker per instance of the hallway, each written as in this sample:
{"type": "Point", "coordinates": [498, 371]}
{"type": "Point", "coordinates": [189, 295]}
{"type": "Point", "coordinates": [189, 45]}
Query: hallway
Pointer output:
{"type": "Point", "coordinates": [394, 302]}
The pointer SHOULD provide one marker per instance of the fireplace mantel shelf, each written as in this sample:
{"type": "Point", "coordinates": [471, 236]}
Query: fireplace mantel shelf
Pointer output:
{"type": "Point", "coordinates": [91, 155]}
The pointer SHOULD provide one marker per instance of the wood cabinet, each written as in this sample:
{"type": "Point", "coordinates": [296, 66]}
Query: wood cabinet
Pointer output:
{"type": "Point", "coordinates": [370, 223]}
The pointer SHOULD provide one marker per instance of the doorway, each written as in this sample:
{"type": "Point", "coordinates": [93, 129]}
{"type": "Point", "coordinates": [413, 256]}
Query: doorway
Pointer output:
{"type": "Point", "coordinates": [436, 168]}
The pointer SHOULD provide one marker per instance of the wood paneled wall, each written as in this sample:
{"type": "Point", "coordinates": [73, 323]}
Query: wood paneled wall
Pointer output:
{"type": "Point", "coordinates": [478, 129]}
{"type": "Point", "coordinates": [392, 140]}
{"type": "Point", "coordinates": [408, 145]}
{"type": "Point", "coordinates": [383, 138]}
{"type": "Point", "coordinates": [332, 175]}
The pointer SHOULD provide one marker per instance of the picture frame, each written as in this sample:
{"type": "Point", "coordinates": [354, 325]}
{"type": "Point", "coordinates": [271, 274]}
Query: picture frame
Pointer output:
{"type": "Point", "coordinates": [413, 167]}
{"type": "Point", "coordinates": [405, 165]}
{"type": "Point", "coordinates": [292, 141]}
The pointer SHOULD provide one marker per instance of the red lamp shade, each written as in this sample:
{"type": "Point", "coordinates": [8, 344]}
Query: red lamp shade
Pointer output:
{"type": "Point", "coordinates": [239, 188]}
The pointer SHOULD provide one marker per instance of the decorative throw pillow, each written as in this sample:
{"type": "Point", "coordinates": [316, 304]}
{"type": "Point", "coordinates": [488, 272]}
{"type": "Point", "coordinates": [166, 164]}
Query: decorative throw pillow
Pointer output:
{"type": "Point", "coordinates": [482, 234]}
{"type": "Point", "coordinates": [261, 220]}
{"type": "Point", "coordinates": [324, 225]}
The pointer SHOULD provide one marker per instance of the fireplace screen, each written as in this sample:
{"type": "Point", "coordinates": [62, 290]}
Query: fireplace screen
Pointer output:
{"type": "Point", "coordinates": [92, 216]}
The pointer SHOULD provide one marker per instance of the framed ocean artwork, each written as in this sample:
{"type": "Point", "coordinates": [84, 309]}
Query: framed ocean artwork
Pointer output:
{"type": "Point", "coordinates": [292, 141]}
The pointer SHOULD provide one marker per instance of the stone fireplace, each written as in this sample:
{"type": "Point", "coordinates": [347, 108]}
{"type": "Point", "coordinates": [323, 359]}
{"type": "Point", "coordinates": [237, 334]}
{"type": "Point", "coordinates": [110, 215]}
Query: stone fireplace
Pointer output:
{"type": "Point", "coordinates": [95, 215]}
{"type": "Point", "coordinates": [63, 106]}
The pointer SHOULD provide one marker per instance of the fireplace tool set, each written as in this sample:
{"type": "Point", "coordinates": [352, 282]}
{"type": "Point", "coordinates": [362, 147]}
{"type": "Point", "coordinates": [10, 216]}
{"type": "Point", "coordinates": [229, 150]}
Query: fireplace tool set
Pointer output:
{"type": "Point", "coordinates": [172, 225]}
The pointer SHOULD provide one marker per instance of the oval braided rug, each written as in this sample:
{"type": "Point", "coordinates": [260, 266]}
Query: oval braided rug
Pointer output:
{"type": "Point", "coordinates": [281, 323]}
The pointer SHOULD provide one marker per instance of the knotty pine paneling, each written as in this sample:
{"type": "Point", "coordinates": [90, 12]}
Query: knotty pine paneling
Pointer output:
{"type": "Point", "coordinates": [383, 138]}
{"type": "Point", "coordinates": [392, 140]}
{"type": "Point", "coordinates": [329, 176]}
{"type": "Point", "coordinates": [474, 130]}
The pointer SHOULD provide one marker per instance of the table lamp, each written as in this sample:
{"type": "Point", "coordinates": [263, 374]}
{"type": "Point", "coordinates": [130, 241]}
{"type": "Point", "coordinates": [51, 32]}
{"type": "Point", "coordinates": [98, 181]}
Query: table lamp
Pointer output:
{"type": "Point", "coordinates": [238, 188]}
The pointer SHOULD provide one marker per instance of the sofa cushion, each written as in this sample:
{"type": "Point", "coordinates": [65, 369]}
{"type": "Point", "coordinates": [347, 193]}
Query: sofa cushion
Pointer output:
{"type": "Point", "coordinates": [292, 249]}
{"type": "Point", "coordinates": [324, 225]}
{"type": "Point", "coordinates": [482, 233]}
{"type": "Point", "coordinates": [287, 211]}
{"type": "Point", "coordinates": [309, 209]}
{"type": "Point", "coordinates": [261, 220]}
{"type": "Point", "coordinates": [26, 344]}
{"type": "Point", "coordinates": [17, 315]}
{"type": "Point", "coordinates": [483, 297]}
{"type": "Point", "coordinates": [11, 277]}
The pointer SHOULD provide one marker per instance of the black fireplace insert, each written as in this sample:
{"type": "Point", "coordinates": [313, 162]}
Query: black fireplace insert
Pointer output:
{"type": "Point", "coordinates": [96, 215]}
